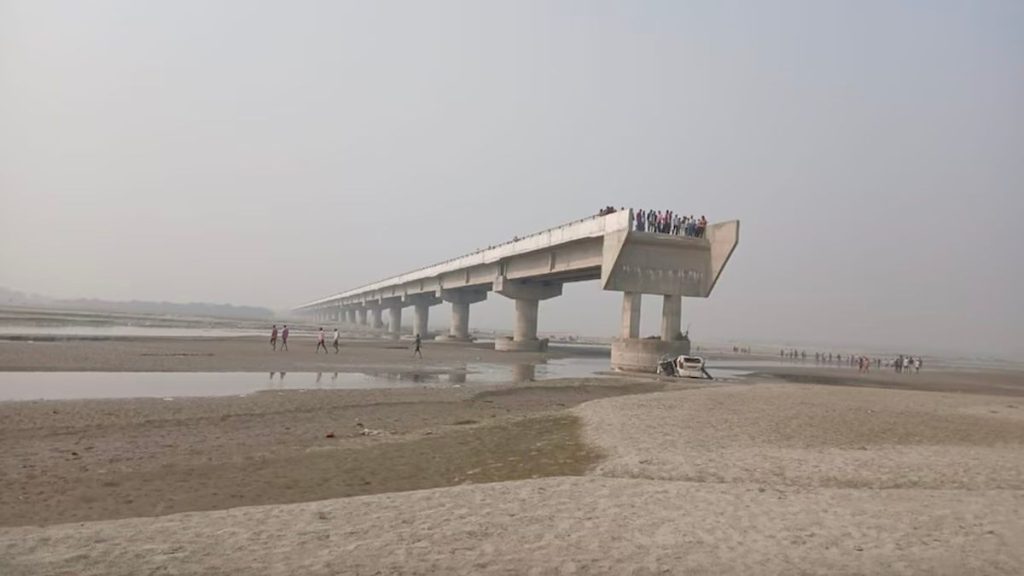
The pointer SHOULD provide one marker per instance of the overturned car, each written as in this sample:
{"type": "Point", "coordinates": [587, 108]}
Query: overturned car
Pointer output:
{"type": "Point", "coordinates": [683, 367]}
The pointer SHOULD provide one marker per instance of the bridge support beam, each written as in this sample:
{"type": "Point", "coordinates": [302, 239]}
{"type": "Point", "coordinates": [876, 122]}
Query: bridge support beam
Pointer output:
{"type": "Point", "coordinates": [361, 316]}
{"type": "Point", "coordinates": [527, 296]}
{"type": "Point", "coordinates": [460, 301]}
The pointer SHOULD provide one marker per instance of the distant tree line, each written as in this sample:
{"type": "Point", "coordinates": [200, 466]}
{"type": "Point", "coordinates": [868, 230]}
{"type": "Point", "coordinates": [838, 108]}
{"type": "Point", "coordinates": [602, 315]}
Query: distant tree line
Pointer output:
{"type": "Point", "coordinates": [14, 298]}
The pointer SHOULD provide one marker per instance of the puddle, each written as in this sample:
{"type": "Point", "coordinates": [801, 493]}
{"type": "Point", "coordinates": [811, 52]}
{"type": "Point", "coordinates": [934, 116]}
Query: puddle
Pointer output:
{"type": "Point", "coordinates": [15, 386]}
{"type": "Point", "coordinates": [728, 374]}
{"type": "Point", "coordinates": [80, 385]}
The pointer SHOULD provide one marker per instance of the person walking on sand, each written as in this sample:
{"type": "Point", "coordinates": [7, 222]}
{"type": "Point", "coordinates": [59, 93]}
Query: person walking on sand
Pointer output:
{"type": "Point", "coordinates": [320, 341]}
{"type": "Point", "coordinates": [273, 337]}
{"type": "Point", "coordinates": [416, 350]}
{"type": "Point", "coordinates": [337, 341]}
{"type": "Point", "coordinates": [284, 338]}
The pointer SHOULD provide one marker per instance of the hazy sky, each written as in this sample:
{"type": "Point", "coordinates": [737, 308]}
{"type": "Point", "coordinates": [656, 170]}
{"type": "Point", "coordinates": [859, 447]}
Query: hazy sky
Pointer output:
{"type": "Point", "coordinates": [270, 153]}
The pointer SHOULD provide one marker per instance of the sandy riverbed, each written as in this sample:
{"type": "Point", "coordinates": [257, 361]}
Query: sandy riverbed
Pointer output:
{"type": "Point", "coordinates": [639, 477]}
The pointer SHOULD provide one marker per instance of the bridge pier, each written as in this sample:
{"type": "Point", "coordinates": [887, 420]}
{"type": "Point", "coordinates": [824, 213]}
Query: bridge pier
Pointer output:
{"type": "Point", "coordinates": [671, 317]}
{"type": "Point", "coordinates": [376, 321]}
{"type": "Point", "coordinates": [361, 316]}
{"type": "Point", "coordinates": [460, 301]}
{"type": "Point", "coordinates": [395, 321]}
{"type": "Point", "coordinates": [527, 296]}
{"type": "Point", "coordinates": [421, 304]}
{"type": "Point", "coordinates": [420, 320]}
{"type": "Point", "coordinates": [630, 352]}
{"type": "Point", "coordinates": [631, 315]}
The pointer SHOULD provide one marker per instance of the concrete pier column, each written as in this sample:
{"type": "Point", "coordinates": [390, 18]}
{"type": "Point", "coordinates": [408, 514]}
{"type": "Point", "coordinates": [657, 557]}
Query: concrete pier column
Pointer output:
{"type": "Point", "coordinates": [420, 319]}
{"type": "Point", "coordinates": [527, 296]}
{"type": "Point", "coordinates": [395, 321]}
{"type": "Point", "coordinates": [421, 303]}
{"type": "Point", "coordinates": [460, 301]}
{"type": "Point", "coordinates": [375, 318]}
{"type": "Point", "coordinates": [526, 320]}
{"type": "Point", "coordinates": [671, 317]}
{"type": "Point", "coordinates": [361, 316]}
{"type": "Point", "coordinates": [630, 315]}
{"type": "Point", "coordinates": [459, 329]}
{"type": "Point", "coordinates": [630, 352]}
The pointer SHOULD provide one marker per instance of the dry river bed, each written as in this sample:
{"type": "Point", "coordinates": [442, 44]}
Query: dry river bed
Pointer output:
{"type": "Point", "coordinates": [795, 472]}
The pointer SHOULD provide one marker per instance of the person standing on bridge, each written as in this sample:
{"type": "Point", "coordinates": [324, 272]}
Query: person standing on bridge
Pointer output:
{"type": "Point", "coordinates": [320, 341]}
{"type": "Point", "coordinates": [416, 350]}
{"type": "Point", "coordinates": [273, 337]}
{"type": "Point", "coordinates": [284, 338]}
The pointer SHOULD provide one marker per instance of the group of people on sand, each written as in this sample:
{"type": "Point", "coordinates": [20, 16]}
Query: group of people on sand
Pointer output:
{"type": "Point", "coordinates": [901, 364]}
{"type": "Point", "coordinates": [904, 364]}
{"type": "Point", "coordinates": [284, 338]}
{"type": "Point", "coordinates": [668, 222]}
{"type": "Point", "coordinates": [321, 341]}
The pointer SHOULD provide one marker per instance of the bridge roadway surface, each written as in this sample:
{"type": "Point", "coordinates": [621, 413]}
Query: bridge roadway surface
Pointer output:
{"type": "Point", "coordinates": [534, 268]}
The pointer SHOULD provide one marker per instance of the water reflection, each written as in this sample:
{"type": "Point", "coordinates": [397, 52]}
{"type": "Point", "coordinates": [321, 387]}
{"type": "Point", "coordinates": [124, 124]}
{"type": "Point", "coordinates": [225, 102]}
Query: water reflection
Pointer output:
{"type": "Point", "coordinates": [57, 385]}
{"type": "Point", "coordinates": [524, 372]}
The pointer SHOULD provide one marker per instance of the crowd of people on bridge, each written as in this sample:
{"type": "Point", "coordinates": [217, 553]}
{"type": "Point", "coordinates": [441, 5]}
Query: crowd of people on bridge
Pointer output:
{"type": "Point", "coordinates": [668, 222]}
{"type": "Point", "coordinates": [663, 222]}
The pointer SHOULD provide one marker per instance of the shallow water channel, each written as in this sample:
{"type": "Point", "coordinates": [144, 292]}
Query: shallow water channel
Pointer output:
{"type": "Point", "coordinates": [15, 386]}
{"type": "Point", "coordinates": [75, 385]}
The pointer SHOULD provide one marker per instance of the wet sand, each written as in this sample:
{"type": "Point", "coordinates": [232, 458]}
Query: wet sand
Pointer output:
{"type": "Point", "coordinates": [241, 354]}
{"type": "Point", "coordinates": [996, 382]}
{"type": "Point", "coordinates": [69, 461]}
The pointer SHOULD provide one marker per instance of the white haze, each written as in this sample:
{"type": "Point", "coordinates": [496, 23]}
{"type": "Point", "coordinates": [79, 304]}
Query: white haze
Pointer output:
{"type": "Point", "coordinates": [269, 153]}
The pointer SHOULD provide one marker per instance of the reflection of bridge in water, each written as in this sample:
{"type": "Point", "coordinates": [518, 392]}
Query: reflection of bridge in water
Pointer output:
{"type": "Point", "coordinates": [534, 268]}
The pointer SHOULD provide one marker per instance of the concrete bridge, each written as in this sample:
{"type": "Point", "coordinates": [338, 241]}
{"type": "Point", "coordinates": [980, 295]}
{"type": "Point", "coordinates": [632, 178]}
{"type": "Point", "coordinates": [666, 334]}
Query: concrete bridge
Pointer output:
{"type": "Point", "coordinates": [528, 270]}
